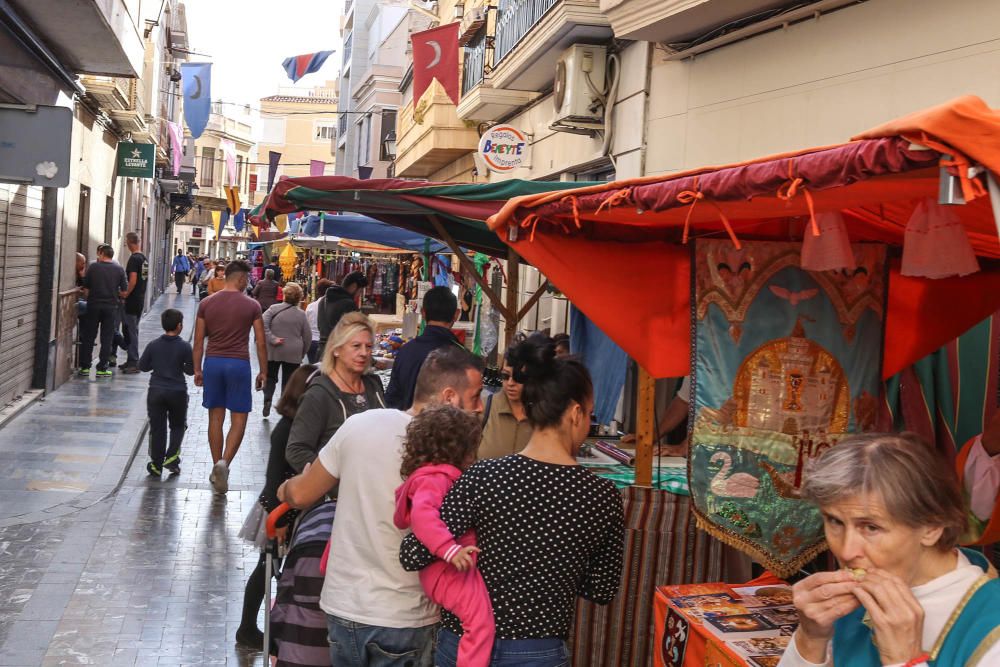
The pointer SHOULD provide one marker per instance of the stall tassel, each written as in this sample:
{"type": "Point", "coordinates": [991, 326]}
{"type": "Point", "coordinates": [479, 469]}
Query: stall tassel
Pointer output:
{"type": "Point", "coordinates": [692, 197]}
{"type": "Point", "coordinates": [623, 196]}
{"type": "Point", "coordinates": [935, 244]}
{"type": "Point", "coordinates": [788, 191]}
{"type": "Point", "coordinates": [830, 251]}
{"type": "Point", "coordinates": [575, 203]}
{"type": "Point", "coordinates": [531, 220]}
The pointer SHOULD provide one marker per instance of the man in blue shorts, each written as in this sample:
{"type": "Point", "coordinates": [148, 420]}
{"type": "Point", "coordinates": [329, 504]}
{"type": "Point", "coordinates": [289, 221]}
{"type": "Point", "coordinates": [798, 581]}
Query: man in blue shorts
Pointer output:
{"type": "Point", "coordinates": [226, 318]}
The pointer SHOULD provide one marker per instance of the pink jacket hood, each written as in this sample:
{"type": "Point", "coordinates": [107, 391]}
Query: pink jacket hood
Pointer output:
{"type": "Point", "coordinates": [436, 478]}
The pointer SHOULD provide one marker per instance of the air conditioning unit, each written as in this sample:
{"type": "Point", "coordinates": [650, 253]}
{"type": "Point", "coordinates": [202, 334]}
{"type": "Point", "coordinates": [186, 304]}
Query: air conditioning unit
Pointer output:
{"type": "Point", "coordinates": [578, 82]}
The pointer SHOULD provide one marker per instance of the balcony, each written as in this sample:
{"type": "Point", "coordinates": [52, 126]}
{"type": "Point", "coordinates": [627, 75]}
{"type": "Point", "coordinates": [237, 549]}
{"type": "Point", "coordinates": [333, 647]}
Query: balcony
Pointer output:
{"type": "Point", "coordinates": [432, 136]}
{"type": "Point", "coordinates": [690, 27]}
{"type": "Point", "coordinates": [90, 36]}
{"type": "Point", "coordinates": [348, 43]}
{"type": "Point", "coordinates": [112, 93]}
{"type": "Point", "coordinates": [532, 34]}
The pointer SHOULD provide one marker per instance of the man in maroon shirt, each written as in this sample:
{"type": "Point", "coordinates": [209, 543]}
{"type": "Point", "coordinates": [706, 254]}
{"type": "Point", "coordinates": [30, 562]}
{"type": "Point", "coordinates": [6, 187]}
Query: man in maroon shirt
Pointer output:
{"type": "Point", "coordinates": [226, 318]}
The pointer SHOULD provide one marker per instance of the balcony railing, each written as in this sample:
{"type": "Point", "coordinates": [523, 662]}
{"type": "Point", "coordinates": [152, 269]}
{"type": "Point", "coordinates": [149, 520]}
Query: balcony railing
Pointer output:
{"type": "Point", "coordinates": [515, 19]}
{"type": "Point", "coordinates": [474, 64]}
{"type": "Point", "coordinates": [347, 48]}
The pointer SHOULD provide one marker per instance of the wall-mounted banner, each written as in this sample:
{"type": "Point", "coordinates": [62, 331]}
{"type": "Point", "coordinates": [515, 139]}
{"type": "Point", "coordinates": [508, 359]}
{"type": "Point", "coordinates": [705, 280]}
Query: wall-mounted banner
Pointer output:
{"type": "Point", "coordinates": [136, 160]}
{"type": "Point", "coordinates": [197, 86]}
{"type": "Point", "coordinates": [505, 148]}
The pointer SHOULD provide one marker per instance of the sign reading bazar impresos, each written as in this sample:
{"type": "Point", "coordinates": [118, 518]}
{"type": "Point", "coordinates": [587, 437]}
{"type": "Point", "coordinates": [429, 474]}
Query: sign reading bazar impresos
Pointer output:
{"type": "Point", "coordinates": [504, 148]}
{"type": "Point", "coordinates": [136, 160]}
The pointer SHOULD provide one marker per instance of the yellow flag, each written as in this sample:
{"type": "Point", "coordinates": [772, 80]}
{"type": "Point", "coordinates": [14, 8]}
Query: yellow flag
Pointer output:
{"type": "Point", "coordinates": [216, 221]}
{"type": "Point", "coordinates": [281, 222]}
{"type": "Point", "coordinates": [233, 198]}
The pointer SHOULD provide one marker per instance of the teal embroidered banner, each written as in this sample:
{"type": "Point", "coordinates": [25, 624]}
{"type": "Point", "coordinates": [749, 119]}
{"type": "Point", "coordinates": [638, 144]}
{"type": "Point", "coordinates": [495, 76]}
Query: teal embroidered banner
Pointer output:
{"type": "Point", "coordinates": [786, 362]}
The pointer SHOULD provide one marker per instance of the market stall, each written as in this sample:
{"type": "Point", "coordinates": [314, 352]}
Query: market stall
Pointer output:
{"type": "Point", "coordinates": [789, 287]}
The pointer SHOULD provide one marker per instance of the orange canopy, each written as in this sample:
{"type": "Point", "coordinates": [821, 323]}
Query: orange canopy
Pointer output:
{"type": "Point", "coordinates": [617, 250]}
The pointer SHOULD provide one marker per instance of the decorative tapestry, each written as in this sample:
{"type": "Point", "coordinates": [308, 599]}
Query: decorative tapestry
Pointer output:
{"type": "Point", "coordinates": [786, 362]}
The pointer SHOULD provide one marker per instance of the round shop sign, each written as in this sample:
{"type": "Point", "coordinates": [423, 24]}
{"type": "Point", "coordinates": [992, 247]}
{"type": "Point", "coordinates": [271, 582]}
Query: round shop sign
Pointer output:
{"type": "Point", "coordinates": [504, 148]}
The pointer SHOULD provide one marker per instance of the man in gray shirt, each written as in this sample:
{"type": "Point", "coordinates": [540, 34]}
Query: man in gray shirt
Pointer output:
{"type": "Point", "coordinates": [106, 285]}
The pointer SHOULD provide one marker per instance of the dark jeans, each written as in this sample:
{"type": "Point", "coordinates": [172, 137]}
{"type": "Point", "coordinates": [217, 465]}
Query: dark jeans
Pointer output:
{"type": "Point", "coordinates": [548, 652]}
{"type": "Point", "coordinates": [103, 317]}
{"type": "Point", "coordinates": [286, 368]}
{"type": "Point", "coordinates": [166, 406]}
{"type": "Point", "coordinates": [179, 278]}
{"type": "Point", "coordinates": [359, 645]}
{"type": "Point", "coordinates": [131, 324]}
{"type": "Point", "coordinates": [313, 353]}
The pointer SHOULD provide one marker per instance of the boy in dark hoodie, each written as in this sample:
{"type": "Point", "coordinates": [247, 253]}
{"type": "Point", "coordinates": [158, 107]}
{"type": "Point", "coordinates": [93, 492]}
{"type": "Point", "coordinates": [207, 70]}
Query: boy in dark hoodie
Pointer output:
{"type": "Point", "coordinates": [339, 300]}
{"type": "Point", "coordinates": [170, 359]}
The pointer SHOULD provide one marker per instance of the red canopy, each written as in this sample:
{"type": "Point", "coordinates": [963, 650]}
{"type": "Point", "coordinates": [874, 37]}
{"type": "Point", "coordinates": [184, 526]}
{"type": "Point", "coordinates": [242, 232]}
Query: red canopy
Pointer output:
{"type": "Point", "coordinates": [628, 234]}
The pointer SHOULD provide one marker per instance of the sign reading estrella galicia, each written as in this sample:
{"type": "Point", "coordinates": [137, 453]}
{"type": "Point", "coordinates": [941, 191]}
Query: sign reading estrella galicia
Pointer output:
{"type": "Point", "coordinates": [504, 148]}
{"type": "Point", "coordinates": [136, 160]}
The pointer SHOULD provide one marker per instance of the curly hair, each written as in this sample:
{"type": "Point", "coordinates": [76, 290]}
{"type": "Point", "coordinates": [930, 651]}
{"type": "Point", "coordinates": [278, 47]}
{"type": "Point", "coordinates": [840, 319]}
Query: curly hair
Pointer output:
{"type": "Point", "coordinates": [440, 434]}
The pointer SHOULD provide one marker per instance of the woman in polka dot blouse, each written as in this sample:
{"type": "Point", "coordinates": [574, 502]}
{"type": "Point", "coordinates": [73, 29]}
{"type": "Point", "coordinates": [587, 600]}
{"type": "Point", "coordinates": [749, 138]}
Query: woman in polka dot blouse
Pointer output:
{"type": "Point", "coordinates": [549, 530]}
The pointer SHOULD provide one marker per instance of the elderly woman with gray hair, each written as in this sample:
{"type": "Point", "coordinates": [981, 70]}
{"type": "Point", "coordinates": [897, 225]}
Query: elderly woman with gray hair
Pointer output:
{"type": "Point", "coordinates": [893, 512]}
{"type": "Point", "coordinates": [288, 336]}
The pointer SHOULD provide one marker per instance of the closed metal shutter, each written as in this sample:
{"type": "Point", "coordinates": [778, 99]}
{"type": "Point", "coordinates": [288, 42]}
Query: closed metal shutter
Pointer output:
{"type": "Point", "coordinates": [20, 249]}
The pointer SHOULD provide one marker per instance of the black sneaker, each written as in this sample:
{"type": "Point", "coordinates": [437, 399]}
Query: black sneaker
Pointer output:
{"type": "Point", "coordinates": [250, 638]}
{"type": "Point", "coordinates": [267, 409]}
{"type": "Point", "coordinates": [130, 370]}
{"type": "Point", "coordinates": [123, 366]}
{"type": "Point", "coordinates": [153, 470]}
{"type": "Point", "coordinates": [173, 466]}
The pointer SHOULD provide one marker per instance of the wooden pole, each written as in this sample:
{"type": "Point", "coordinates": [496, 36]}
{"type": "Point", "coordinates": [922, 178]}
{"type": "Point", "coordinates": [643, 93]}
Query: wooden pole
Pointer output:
{"type": "Point", "coordinates": [464, 260]}
{"type": "Point", "coordinates": [533, 300]}
{"type": "Point", "coordinates": [645, 428]}
{"type": "Point", "coordinates": [513, 291]}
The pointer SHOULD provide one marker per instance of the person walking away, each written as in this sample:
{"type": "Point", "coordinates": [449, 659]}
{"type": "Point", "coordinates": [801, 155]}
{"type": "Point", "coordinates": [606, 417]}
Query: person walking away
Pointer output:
{"type": "Point", "coordinates": [440, 312]}
{"type": "Point", "coordinates": [549, 529]}
{"type": "Point", "coordinates": [105, 283]}
{"type": "Point", "coordinates": [170, 358]}
{"type": "Point", "coordinates": [218, 281]}
{"type": "Point", "coordinates": [312, 314]}
{"type": "Point", "coordinates": [441, 443]}
{"type": "Point", "coordinates": [137, 272]}
{"type": "Point", "coordinates": [255, 527]}
{"type": "Point", "coordinates": [505, 420]}
{"type": "Point", "coordinates": [225, 319]}
{"type": "Point", "coordinates": [386, 621]}
{"type": "Point", "coordinates": [266, 291]}
{"type": "Point", "coordinates": [181, 266]}
{"type": "Point", "coordinates": [342, 389]}
{"type": "Point", "coordinates": [337, 302]}
{"type": "Point", "coordinates": [199, 269]}
{"type": "Point", "coordinates": [288, 338]}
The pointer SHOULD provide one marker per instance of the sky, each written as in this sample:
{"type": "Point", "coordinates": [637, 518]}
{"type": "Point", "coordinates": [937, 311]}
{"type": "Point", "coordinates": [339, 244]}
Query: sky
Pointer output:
{"type": "Point", "coordinates": [248, 39]}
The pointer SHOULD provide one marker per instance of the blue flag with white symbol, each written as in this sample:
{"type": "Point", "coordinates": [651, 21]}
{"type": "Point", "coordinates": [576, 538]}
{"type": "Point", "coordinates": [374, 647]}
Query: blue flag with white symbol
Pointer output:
{"type": "Point", "coordinates": [197, 85]}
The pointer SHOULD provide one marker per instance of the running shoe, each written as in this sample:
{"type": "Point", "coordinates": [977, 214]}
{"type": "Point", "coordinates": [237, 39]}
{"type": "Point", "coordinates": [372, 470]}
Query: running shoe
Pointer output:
{"type": "Point", "coordinates": [85, 372]}
{"type": "Point", "coordinates": [153, 470]}
{"type": "Point", "coordinates": [220, 477]}
{"type": "Point", "coordinates": [106, 373]}
{"type": "Point", "coordinates": [174, 468]}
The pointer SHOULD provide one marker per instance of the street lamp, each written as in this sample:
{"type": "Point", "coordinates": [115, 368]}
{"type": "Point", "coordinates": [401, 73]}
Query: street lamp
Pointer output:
{"type": "Point", "coordinates": [389, 145]}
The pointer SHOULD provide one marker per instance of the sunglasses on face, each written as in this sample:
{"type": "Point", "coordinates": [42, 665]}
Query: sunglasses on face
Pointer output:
{"type": "Point", "coordinates": [505, 376]}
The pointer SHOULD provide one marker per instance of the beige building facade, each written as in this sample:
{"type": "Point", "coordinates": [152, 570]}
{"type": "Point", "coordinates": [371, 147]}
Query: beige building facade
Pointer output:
{"type": "Point", "coordinates": [301, 126]}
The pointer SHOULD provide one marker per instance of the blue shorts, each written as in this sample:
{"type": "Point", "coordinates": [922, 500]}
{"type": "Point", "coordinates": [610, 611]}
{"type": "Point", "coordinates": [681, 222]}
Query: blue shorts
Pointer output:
{"type": "Point", "coordinates": [227, 384]}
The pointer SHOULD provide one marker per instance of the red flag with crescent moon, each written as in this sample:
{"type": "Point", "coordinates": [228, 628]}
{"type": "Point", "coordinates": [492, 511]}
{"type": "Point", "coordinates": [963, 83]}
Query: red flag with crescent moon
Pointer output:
{"type": "Point", "coordinates": [435, 56]}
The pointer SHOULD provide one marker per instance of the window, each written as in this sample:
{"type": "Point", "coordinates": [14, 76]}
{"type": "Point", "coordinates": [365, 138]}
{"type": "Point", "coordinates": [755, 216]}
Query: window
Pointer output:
{"type": "Point", "coordinates": [388, 127]}
{"type": "Point", "coordinates": [364, 141]}
{"type": "Point", "coordinates": [324, 131]}
{"type": "Point", "coordinates": [239, 171]}
{"type": "Point", "coordinates": [208, 167]}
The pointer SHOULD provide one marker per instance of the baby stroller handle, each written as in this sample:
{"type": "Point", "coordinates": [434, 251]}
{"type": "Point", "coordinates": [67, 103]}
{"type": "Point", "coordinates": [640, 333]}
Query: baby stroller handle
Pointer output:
{"type": "Point", "coordinates": [274, 517]}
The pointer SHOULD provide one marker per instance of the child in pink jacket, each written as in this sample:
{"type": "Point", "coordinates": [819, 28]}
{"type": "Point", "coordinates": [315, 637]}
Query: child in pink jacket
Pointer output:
{"type": "Point", "coordinates": [440, 443]}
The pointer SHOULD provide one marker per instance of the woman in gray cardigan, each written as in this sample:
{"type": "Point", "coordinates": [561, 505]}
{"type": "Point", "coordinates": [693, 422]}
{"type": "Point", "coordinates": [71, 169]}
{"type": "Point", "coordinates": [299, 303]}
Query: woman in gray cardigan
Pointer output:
{"type": "Point", "coordinates": [288, 337]}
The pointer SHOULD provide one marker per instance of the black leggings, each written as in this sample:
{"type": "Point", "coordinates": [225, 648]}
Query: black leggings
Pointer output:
{"type": "Point", "coordinates": [286, 368]}
{"type": "Point", "coordinates": [253, 595]}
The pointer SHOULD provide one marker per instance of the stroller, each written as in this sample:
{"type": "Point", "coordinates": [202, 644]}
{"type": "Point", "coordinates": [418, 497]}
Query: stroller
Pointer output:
{"type": "Point", "coordinates": [295, 629]}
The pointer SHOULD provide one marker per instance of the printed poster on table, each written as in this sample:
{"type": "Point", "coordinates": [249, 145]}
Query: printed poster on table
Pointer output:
{"type": "Point", "coordinates": [786, 363]}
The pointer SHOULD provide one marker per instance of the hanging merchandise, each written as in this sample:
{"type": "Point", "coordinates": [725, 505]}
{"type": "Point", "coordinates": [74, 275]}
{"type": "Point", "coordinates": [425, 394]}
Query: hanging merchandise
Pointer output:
{"type": "Point", "coordinates": [287, 261]}
{"type": "Point", "coordinates": [489, 333]}
{"type": "Point", "coordinates": [786, 363]}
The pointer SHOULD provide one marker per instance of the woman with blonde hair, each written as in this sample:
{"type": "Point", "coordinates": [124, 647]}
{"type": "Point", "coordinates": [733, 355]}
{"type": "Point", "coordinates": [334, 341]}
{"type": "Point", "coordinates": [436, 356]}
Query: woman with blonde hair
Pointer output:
{"type": "Point", "coordinates": [893, 513]}
{"type": "Point", "coordinates": [341, 388]}
{"type": "Point", "coordinates": [288, 336]}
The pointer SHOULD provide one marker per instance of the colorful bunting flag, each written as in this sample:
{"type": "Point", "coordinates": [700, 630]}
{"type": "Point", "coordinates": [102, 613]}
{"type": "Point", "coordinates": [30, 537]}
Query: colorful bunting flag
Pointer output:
{"type": "Point", "coordinates": [216, 223]}
{"type": "Point", "coordinates": [281, 222]}
{"type": "Point", "coordinates": [229, 152]}
{"type": "Point", "coordinates": [273, 159]}
{"type": "Point", "coordinates": [176, 132]}
{"type": "Point", "coordinates": [316, 167]}
{"type": "Point", "coordinates": [233, 197]}
{"type": "Point", "coordinates": [298, 66]}
{"type": "Point", "coordinates": [239, 221]}
{"type": "Point", "coordinates": [197, 86]}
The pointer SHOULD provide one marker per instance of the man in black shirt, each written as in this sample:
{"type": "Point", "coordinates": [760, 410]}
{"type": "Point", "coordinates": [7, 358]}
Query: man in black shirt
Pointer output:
{"type": "Point", "coordinates": [440, 312]}
{"type": "Point", "coordinates": [137, 273]}
{"type": "Point", "coordinates": [105, 283]}
{"type": "Point", "coordinates": [337, 302]}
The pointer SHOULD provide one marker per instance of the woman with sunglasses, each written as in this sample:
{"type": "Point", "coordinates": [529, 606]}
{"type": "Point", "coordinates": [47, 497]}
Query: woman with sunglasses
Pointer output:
{"type": "Point", "coordinates": [505, 422]}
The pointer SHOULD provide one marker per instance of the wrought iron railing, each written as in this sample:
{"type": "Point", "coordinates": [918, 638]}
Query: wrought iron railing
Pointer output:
{"type": "Point", "coordinates": [515, 19]}
{"type": "Point", "coordinates": [474, 63]}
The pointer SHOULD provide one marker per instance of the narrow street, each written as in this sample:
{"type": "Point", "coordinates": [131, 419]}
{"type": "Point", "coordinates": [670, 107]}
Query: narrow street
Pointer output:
{"type": "Point", "coordinates": [153, 574]}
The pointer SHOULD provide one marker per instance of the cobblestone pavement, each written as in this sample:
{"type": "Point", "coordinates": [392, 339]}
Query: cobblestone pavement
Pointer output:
{"type": "Point", "coordinates": [152, 575]}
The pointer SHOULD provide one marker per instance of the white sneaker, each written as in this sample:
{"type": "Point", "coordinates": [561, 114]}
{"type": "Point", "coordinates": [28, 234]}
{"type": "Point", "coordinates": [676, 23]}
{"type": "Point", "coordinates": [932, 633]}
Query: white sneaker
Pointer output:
{"type": "Point", "coordinates": [220, 476]}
